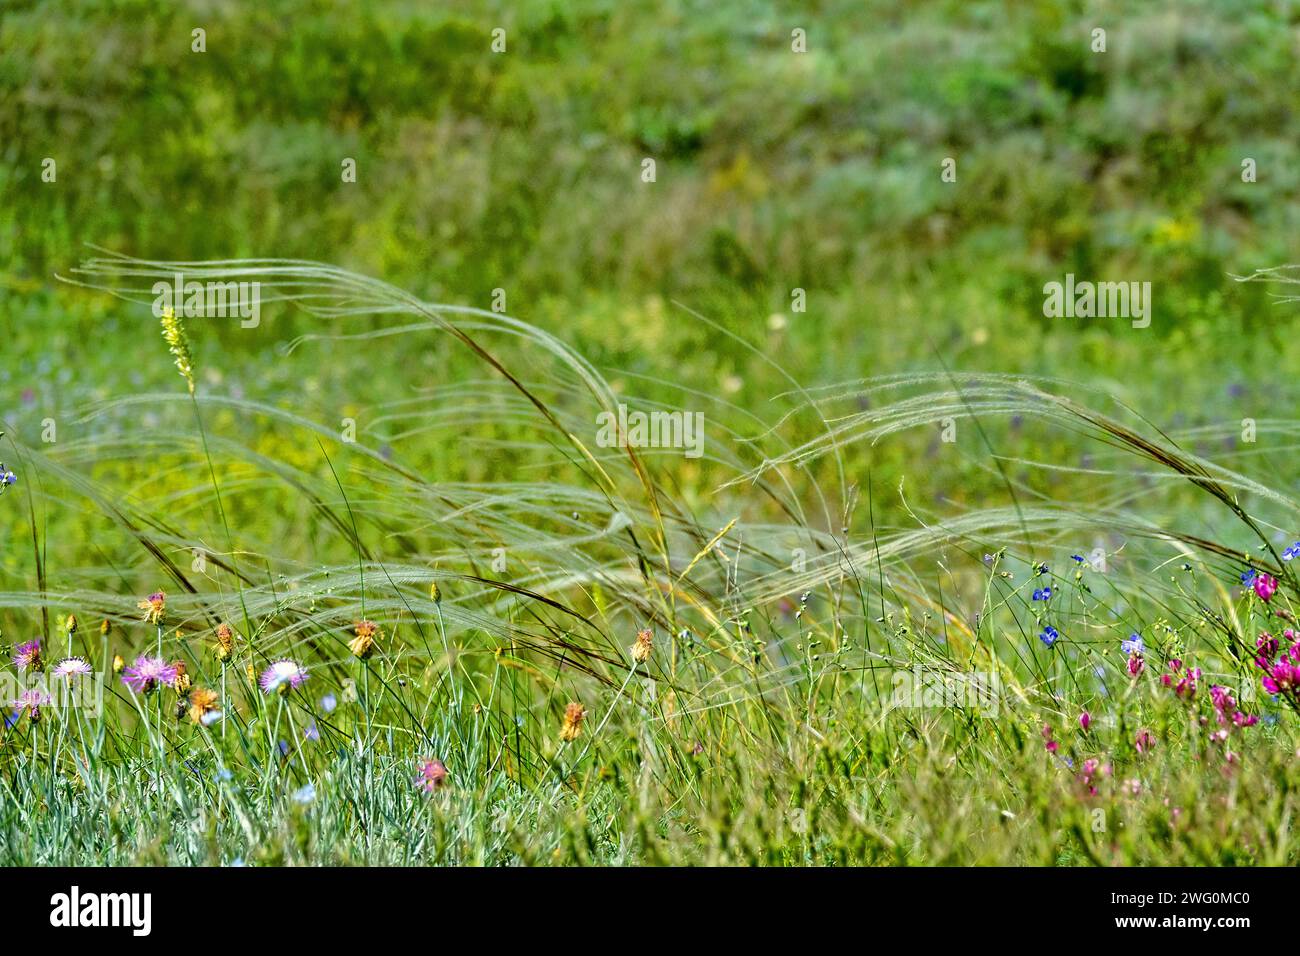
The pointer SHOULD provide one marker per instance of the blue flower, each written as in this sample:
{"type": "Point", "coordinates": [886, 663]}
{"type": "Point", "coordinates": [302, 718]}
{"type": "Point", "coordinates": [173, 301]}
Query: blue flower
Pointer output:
{"type": "Point", "coordinates": [1077, 558]}
{"type": "Point", "coordinates": [7, 477]}
{"type": "Point", "coordinates": [1248, 576]}
{"type": "Point", "coordinates": [328, 703]}
{"type": "Point", "coordinates": [305, 794]}
{"type": "Point", "coordinates": [1133, 645]}
{"type": "Point", "coordinates": [311, 732]}
{"type": "Point", "coordinates": [1049, 636]}
{"type": "Point", "coordinates": [1042, 594]}
{"type": "Point", "coordinates": [1291, 552]}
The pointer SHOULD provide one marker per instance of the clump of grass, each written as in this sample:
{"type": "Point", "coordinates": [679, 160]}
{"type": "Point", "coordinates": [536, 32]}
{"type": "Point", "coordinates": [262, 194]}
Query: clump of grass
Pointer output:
{"type": "Point", "coordinates": [758, 674]}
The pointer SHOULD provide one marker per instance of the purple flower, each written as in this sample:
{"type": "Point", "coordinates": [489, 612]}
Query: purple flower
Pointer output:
{"type": "Point", "coordinates": [1133, 645]}
{"type": "Point", "coordinates": [32, 701]}
{"type": "Point", "coordinates": [1265, 586]}
{"type": "Point", "coordinates": [1049, 636]}
{"type": "Point", "coordinates": [71, 667]}
{"type": "Point", "coordinates": [7, 477]}
{"type": "Point", "coordinates": [282, 676]}
{"type": "Point", "coordinates": [28, 656]}
{"type": "Point", "coordinates": [147, 673]}
{"type": "Point", "coordinates": [1042, 594]}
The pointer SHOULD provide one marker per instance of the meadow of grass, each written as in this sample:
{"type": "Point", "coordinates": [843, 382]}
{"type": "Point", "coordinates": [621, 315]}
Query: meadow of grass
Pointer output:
{"type": "Point", "coordinates": [891, 479]}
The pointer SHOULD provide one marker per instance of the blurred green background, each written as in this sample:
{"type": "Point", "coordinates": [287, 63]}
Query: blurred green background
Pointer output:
{"type": "Point", "coordinates": [776, 170]}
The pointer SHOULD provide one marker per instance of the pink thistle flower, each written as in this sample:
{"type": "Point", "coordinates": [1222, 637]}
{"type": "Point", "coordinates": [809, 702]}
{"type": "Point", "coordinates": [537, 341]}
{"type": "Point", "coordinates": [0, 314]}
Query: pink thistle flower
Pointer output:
{"type": "Point", "coordinates": [147, 673]}
{"type": "Point", "coordinates": [28, 656]}
{"type": "Point", "coordinates": [32, 701]}
{"type": "Point", "coordinates": [282, 676]}
{"type": "Point", "coordinates": [431, 775]}
{"type": "Point", "coordinates": [71, 667]}
{"type": "Point", "coordinates": [1265, 586]}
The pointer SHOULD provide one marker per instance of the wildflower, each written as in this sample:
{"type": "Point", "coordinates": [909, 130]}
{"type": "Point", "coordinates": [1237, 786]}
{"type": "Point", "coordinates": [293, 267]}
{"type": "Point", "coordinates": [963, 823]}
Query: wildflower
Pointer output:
{"type": "Point", "coordinates": [1135, 664]}
{"type": "Point", "coordinates": [640, 651]}
{"type": "Point", "coordinates": [1133, 644]}
{"type": "Point", "coordinates": [1040, 569]}
{"type": "Point", "coordinates": [71, 667]}
{"type": "Point", "coordinates": [311, 732]}
{"type": "Point", "coordinates": [28, 656]}
{"type": "Point", "coordinates": [1265, 586]}
{"type": "Point", "coordinates": [203, 702]}
{"type": "Point", "coordinates": [70, 624]}
{"type": "Point", "coordinates": [147, 673]}
{"type": "Point", "coordinates": [118, 663]}
{"type": "Point", "coordinates": [305, 794]}
{"type": "Point", "coordinates": [225, 642]}
{"type": "Point", "coordinates": [1291, 552]}
{"type": "Point", "coordinates": [1248, 576]}
{"type": "Point", "coordinates": [574, 715]}
{"type": "Point", "coordinates": [181, 683]}
{"type": "Point", "coordinates": [282, 676]}
{"type": "Point", "coordinates": [431, 775]}
{"type": "Point", "coordinates": [104, 627]}
{"type": "Point", "coordinates": [1042, 594]}
{"type": "Point", "coordinates": [434, 594]}
{"type": "Point", "coordinates": [32, 700]}
{"type": "Point", "coordinates": [1144, 741]}
{"type": "Point", "coordinates": [154, 607]}
{"type": "Point", "coordinates": [1085, 720]}
{"type": "Point", "coordinates": [178, 344]}
{"type": "Point", "coordinates": [1049, 740]}
{"type": "Point", "coordinates": [1186, 679]}
{"type": "Point", "coordinates": [1049, 636]}
{"type": "Point", "coordinates": [363, 645]}
{"type": "Point", "coordinates": [7, 477]}
{"type": "Point", "coordinates": [328, 703]}
{"type": "Point", "coordinates": [1090, 770]}
{"type": "Point", "coordinates": [1077, 558]}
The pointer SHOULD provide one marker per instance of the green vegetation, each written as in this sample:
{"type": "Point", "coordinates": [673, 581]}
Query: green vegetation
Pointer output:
{"type": "Point", "coordinates": [361, 444]}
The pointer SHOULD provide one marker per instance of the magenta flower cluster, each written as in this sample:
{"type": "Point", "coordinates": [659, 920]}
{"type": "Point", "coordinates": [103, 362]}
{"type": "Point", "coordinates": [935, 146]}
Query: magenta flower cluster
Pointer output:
{"type": "Point", "coordinates": [1281, 672]}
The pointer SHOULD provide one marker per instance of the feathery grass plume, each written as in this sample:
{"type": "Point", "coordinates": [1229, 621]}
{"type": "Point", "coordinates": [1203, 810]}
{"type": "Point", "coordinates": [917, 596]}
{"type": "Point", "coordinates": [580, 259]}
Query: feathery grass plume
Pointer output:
{"type": "Point", "coordinates": [178, 343]}
{"type": "Point", "coordinates": [574, 715]}
{"type": "Point", "coordinates": [363, 644]}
